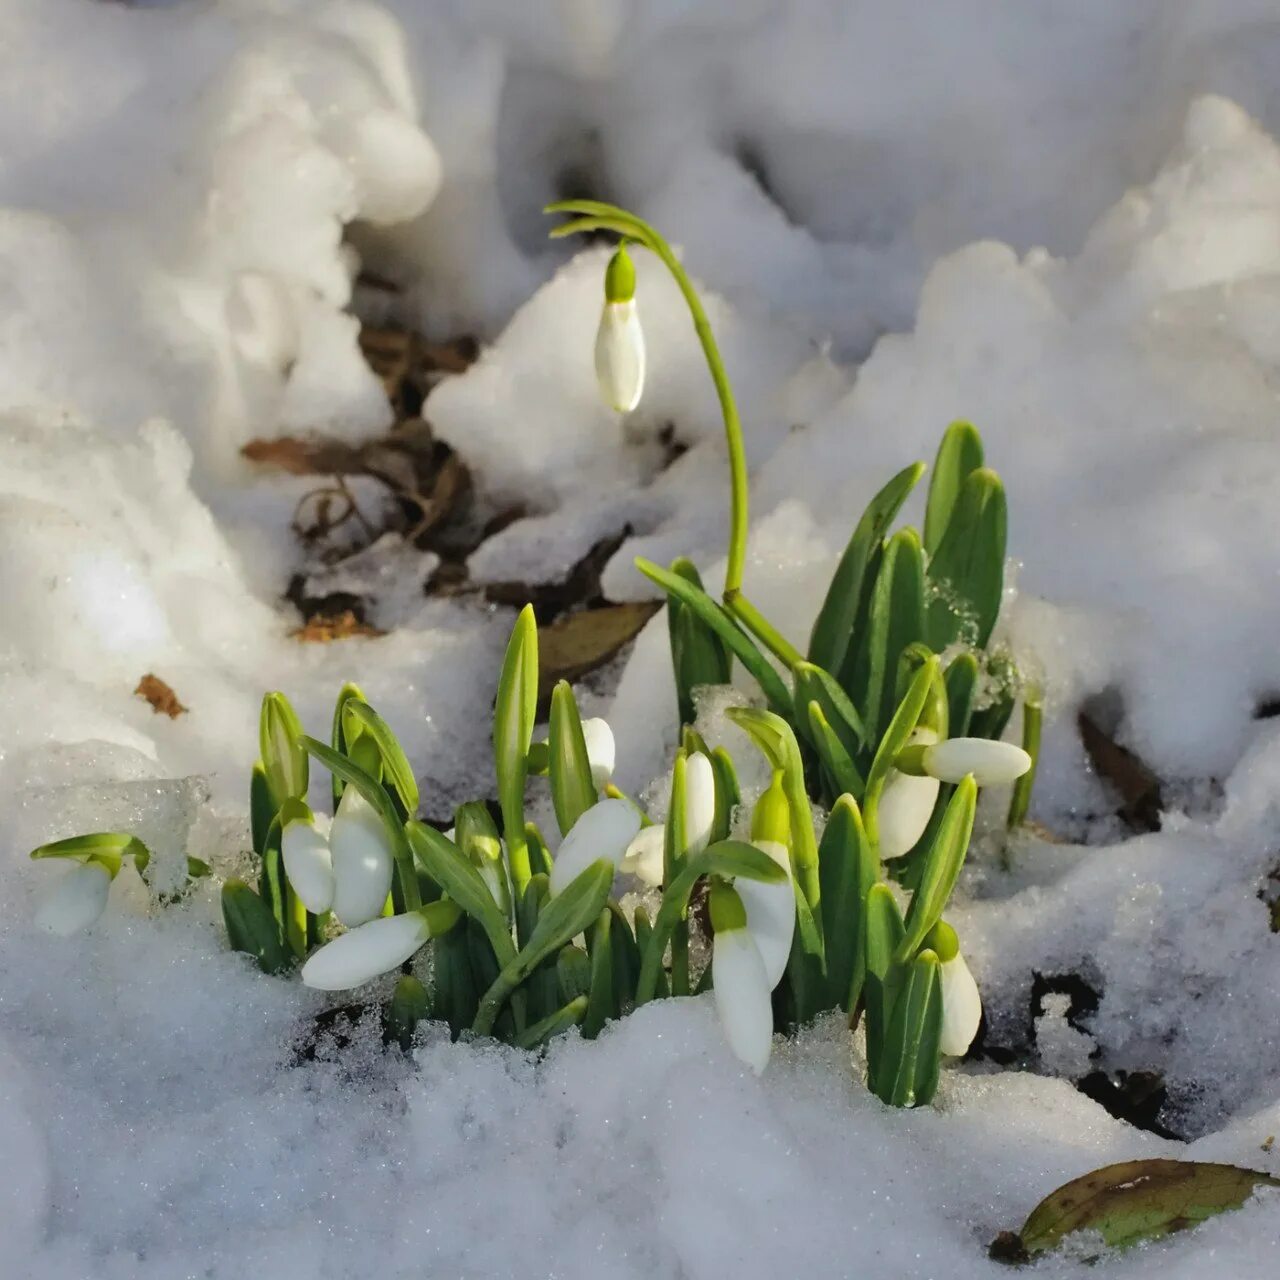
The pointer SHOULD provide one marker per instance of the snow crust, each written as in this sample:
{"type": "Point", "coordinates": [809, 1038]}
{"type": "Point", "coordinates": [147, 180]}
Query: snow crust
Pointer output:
{"type": "Point", "coordinates": [1062, 222]}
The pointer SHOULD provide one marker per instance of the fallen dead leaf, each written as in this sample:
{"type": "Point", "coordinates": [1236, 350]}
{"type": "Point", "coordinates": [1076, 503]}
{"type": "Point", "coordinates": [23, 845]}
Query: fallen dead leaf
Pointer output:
{"type": "Point", "coordinates": [578, 643]}
{"type": "Point", "coordinates": [339, 626]}
{"type": "Point", "coordinates": [1139, 787]}
{"type": "Point", "coordinates": [162, 698]}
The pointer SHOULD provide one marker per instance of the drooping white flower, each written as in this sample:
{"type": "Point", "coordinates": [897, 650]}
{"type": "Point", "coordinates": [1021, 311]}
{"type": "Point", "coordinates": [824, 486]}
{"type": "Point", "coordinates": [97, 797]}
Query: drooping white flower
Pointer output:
{"type": "Point", "coordinates": [308, 863]}
{"type": "Point", "coordinates": [906, 804]}
{"type": "Point", "coordinates": [740, 981]}
{"type": "Point", "coordinates": [363, 861]}
{"type": "Point", "coordinates": [363, 953]}
{"type": "Point", "coordinates": [76, 901]}
{"type": "Point", "coordinates": [645, 855]}
{"type": "Point", "coordinates": [699, 802]}
{"type": "Point", "coordinates": [601, 752]}
{"type": "Point", "coordinates": [603, 831]}
{"type": "Point", "coordinates": [771, 913]}
{"type": "Point", "coordinates": [619, 355]}
{"type": "Point", "coordinates": [992, 763]}
{"type": "Point", "coordinates": [961, 1006]}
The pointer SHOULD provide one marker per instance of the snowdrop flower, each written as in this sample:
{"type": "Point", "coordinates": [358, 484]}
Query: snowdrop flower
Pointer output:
{"type": "Point", "coordinates": [992, 763]}
{"type": "Point", "coordinates": [620, 340]}
{"type": "Point", "coordinates": [771, 908]}
{"type": "Point", "coordinates": [601, 752]}
{"type": "Point", "coordinates": [77, 900]}
{"type": "Point", "coordinates": [961, 1000]}
{"type": "Point", "coordinates": [644, 855]}
{"type": "Point", "coordinates": [906, 803]}
{"type": "Point", "coordinates": [363, 860]}
{"type": "Point", "coordinates": [604, 831]}
{"type": "Point", "coordinates": [308, 861]}
{"type": "Point", "coordinates": [740, 981]}
{"type": "Point", "coordinates": [377, 947]}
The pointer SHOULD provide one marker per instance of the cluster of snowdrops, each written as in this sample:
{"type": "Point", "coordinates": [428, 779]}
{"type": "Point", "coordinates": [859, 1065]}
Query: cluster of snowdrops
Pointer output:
{"type": "Point", "coordinates": [890, 722]}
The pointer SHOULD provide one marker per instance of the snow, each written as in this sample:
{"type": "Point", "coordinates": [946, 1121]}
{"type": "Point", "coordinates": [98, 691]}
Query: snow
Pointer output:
{"type": "Point", "coordinates": [1060, 221]}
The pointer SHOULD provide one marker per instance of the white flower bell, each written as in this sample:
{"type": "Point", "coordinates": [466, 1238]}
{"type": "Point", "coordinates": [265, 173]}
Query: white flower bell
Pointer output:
{"type": "Point", "coordinates": [961, 1000]}
{"type": "Point", "coordinates": [603, 831]}
{"type": "Point", "coordinates": [619, 355]}
{"type": "Point", "coordinates": [741, 983]}
{"type": "Point", "coordinates": [601, 752]}
{"type": "Point", "coordinates": [362, 954]}
{"type": "Point", "coordinates": [771, 907]}
{"type": "Point", "coordinates": [76, 901]}
{"type": "Point", "coordinates": [644, 857]}
{"type": "Point", "coordinates": [992, 764]}
{"type": "Point", "coordinates": [308, 862]}
{"type": "Point", "coordinates": [363, 861]}
{"type": "Point", "coordinates": [906, 804]}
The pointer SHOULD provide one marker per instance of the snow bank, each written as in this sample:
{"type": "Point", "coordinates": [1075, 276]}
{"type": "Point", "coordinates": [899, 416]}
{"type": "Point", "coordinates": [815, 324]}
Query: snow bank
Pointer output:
{"type": "Point", "coordinates": [185, 197]}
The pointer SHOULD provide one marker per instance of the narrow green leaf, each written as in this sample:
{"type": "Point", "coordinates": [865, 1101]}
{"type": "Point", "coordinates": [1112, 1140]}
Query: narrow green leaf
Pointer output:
{"type": "Point", "coordinates": [883, 977]}
{"type": "Point", "coordinates": [728, 793]}
{"type": "Point", "coordinates": [602, 1004]}
{"type": "Point", "coordinates": [560, 1021]}
{"type": "Point", "coordinates": [734, 639]}
{"type": "Point", "coordinates": [959, 454]}
{"type": "Point", "coordinates": [909, 1032]}
{"type": "Point", "coordinates": [834, 626]}
{"type": "Point", "coordinates": [262, 807]}
{"type": "Point", "coordinates": [252, 928]}
{"type": "Point", "coordinates": [698, 656]}
{"type": "Point", "coordinates": [962, 682]}
{"type": "Point", "coordinates": [573, 973]}
{"type": "Point", "coordinates": [1032, 716]}
{"type": "Point", "coordinates": [565, 916]}
{"type": "Point", "coordinates": [455, 994]}
{"type": "Point", "coordinates": [966, 572]}
{"type": "Point", "coordinates": [514, 712]}
{"type": "Point", "coordinates": [359, 717]}
{"type": "Point", "coordinates": [813, 684]}
{"type": "Point", "coordinates": [848, 867]}
{"type": "Point", "coordinates": [941, 868]}
{"type": "Point", "coordinates": [896, 620]}
{"type": "Point", "coordinates": [572, 790]}
{"type": "Point", "coordinates": [835, 759]}
{"type": "Point", "coordinates": [453, 871]}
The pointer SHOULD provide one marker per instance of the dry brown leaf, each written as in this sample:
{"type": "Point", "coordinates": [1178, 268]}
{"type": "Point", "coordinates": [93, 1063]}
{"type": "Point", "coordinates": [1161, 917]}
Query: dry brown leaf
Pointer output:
{"type": "Point", "coordinates": [578, 643]}
{"type": "Point", "coordinates": [339, 626]}
{"type": "Point", "coordinates": [162, 698]}
{"type": "Point", "coordinates": [1138, 786]}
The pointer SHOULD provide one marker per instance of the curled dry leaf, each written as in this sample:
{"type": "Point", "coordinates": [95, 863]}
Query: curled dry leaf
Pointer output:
{"type": "Point", "coordinates": [340, 626]}
{"type": "Point", "coordinates": [162, 698]}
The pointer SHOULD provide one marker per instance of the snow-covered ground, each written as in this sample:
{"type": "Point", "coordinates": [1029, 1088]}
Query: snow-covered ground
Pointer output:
{"type": "Point", "coordinates": [1060, 220]}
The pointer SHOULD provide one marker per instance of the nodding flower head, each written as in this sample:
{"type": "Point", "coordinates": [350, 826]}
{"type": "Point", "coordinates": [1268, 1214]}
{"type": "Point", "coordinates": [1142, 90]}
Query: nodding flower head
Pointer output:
{"type": "Point", "coordinates": [620, 358]}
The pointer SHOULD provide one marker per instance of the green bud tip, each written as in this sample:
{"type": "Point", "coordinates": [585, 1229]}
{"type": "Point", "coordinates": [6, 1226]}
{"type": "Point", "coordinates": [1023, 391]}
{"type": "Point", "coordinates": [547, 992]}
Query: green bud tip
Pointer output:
{"type": "Point", "coordinates": [727, 911]}
{"type": "Point", "coordinates": [771, 818]}
{"type": "Point", "coordinates": [620, 277]}
{"type": "Point", "coordinates": [943, 940]}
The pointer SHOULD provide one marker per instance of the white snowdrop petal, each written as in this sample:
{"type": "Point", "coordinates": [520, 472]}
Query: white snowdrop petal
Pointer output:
{"type": "Point", "coordinates": [604, 831]}
{"type": "Point", "coordinates": [961, 1006]}
{"type": "Point", "coordinates": [76, 901]}
{"type": "Point", "coordinates": [742, 997]}
{"type": "Point", "coordinates": [645, 855]}
{"type": "Point", "coordinates": [699, 802]}
{"type": "Point", "coordinates": [362, 954]}
{"type": "Point", "coordinates": [362, 860]}
{"type": "Point", "coordinates": [992, 763]}
{"type": "Point", "coordinates": [309, 865]}
{"type": "Point", "coordinates": [620, 357]}
{"type": "Point", "coordinates": [771, 913]}
{"type": "Point", "coordinates": [600, 750]}
{"type": "Point", "coordinates": [906, 804]}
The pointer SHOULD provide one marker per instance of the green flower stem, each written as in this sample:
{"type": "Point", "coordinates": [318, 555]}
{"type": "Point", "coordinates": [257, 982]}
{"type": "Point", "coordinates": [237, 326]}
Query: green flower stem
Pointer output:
{"type": "Point", "coordinates": [594, 215]}
{"type": "Point", "coordinates": [763, 629]}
